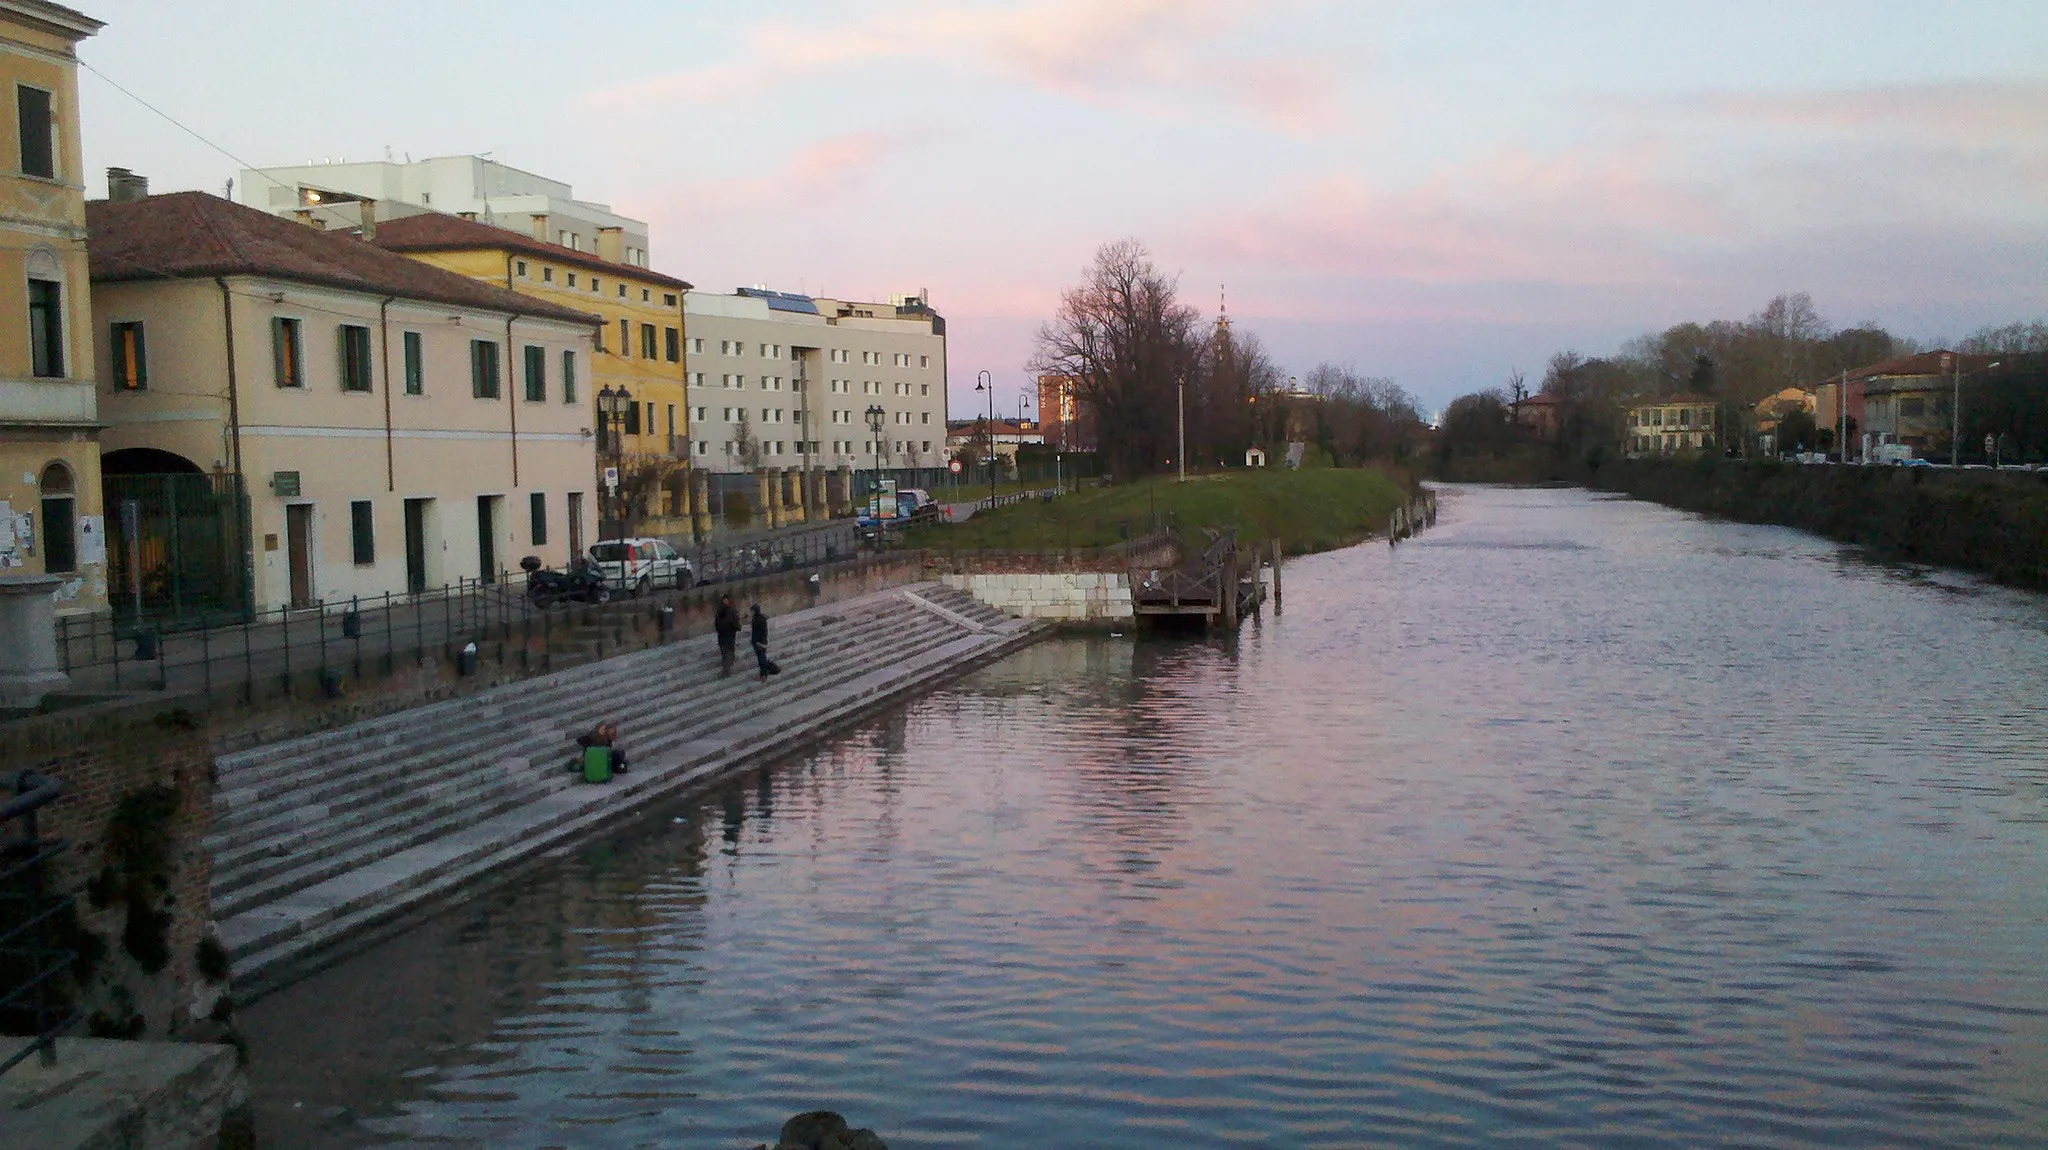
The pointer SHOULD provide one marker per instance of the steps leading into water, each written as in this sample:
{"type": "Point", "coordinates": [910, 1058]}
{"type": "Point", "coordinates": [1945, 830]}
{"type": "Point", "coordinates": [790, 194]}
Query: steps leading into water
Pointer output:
{"type": "Point", "coordinates": [323, 839]}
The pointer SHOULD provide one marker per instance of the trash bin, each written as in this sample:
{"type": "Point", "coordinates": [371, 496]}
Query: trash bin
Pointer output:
{"type": "Point", "coordinates": [597, 764]}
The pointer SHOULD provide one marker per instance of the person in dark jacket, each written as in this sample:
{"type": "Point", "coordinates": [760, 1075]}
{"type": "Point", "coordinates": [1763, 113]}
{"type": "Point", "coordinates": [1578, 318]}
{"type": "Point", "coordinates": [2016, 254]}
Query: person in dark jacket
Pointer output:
{"type": "Point", "coordinates": [727, 622]}
{"type": "Point", "coordinates": [758, 632]}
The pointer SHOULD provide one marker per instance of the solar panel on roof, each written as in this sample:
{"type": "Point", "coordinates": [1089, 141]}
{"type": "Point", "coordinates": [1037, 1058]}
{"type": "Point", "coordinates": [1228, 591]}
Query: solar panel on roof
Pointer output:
{"type": "Point", "coordinates": [781, 300]}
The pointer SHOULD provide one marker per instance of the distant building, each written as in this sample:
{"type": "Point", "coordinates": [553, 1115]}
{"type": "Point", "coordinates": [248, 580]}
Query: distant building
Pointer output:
{"type": "Point", "coordinates": [782, 380]}
{"type": "Point", "coordinates": [1907, 399]}
{"type": "Point", "coordinates": [1836, 404]}
{"type": "Point", "coordinates": [468, 187]}
{"type": "Point", "coordinates": [1538, 413]}
{"type": "Point", "coordinates": [1771, 410]}
{"type": "Point", "coordinates": [1067, 423]}
{"type": "Point", "coordinates": [398, 426]}
{"type": "Point", "coordinates": [50, 518]}
{"type": "Point", "coordinates": [1673, 424]}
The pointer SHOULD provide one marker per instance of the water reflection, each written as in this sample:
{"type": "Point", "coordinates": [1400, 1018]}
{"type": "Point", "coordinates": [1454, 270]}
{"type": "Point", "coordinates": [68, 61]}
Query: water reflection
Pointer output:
{"type": "Point", "coordinates": [1573, 821]}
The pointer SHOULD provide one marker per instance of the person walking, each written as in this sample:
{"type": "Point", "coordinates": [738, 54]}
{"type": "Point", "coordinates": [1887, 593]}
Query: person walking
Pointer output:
{"type": "Point", "coordinates": [758, 633]}
{"type": "Point", "coordinates": [727, 623]}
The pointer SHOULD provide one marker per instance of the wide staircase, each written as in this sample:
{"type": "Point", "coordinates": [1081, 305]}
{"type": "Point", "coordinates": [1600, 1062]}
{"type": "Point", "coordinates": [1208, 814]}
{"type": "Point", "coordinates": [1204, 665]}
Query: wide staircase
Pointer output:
{"type": "Point", "coordinates": [323, 838]}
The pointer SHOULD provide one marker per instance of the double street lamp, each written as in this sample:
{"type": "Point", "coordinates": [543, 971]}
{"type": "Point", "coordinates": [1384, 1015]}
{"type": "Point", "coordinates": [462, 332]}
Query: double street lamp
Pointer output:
{"type": "Point", "coordinates": [612, 407]}
{"type": "Point", "coordinates": [983, 381]}
{"type": "Point", "coordinates": [875, 414]}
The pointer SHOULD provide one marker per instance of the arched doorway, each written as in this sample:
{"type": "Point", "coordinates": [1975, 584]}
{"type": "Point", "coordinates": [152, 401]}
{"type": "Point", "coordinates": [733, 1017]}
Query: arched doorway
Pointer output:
{"type": "Point", "coordinates": [60, 520]}
{"type": "Point", "coordinates": [176, 534]}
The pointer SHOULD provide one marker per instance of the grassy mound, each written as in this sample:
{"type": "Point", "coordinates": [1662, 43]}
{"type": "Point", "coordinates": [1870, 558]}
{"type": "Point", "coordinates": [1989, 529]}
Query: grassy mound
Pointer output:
{"type": "Point", "coordinates": [1309, 510]}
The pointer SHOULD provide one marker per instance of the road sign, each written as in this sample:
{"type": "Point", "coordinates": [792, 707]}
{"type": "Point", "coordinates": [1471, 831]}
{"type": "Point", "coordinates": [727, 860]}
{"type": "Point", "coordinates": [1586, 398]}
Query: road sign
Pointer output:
{"type": "Point", "coordinates": [611, 478]}
{"type": "Point", "coordinates": [954, 467]}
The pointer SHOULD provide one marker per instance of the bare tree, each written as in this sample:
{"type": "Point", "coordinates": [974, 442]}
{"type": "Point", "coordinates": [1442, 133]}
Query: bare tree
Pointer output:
{"type": "Point", "coordinates": [1126, 341]}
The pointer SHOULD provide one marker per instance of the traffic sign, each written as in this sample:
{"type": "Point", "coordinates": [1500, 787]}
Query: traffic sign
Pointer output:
{"type": "Point", "coordinates": [611, 478]}
{"type": "Point", "coordinates": [954, 466]}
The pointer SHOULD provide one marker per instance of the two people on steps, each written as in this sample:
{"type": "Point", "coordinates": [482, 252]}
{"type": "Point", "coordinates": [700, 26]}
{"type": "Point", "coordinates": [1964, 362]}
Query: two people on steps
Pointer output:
{"type": "Point", "coordinates": [726, 621]}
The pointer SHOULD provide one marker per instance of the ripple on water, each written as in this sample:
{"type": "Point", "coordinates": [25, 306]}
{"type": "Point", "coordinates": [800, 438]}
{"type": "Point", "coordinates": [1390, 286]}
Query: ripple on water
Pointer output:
{"type": "Point", "coordinates": [1577, 821]}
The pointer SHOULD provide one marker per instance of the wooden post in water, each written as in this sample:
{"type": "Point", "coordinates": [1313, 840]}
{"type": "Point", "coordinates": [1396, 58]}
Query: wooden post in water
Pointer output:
{"type": "Point", "coordinates": [1227, 589]}
{"type": "Point", "coordinates": [1276, 576]}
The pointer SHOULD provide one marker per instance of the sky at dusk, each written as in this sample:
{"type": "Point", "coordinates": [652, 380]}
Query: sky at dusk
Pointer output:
{"type": "Point", "coordinates": [1437, 192]}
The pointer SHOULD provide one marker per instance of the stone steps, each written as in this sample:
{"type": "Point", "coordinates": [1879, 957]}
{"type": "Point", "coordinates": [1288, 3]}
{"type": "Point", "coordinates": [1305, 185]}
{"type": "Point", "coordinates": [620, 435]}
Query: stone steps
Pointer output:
{"type": "Point", "coordinates": [299, 790]}
{"type": "Point", "coordinates": [407, 802]}
{"type": "Point", "coordinates": [385, 818]}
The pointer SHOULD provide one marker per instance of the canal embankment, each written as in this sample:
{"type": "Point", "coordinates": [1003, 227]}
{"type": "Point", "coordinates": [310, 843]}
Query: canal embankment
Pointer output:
{"type": "Point", "coordinates": [1991, 522]}
{"type": "Point", "coordinates": [329, 841]}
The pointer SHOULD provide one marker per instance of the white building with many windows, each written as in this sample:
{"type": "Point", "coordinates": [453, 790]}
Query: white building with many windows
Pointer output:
{"type": "Point", "coordinates": [785, 381]}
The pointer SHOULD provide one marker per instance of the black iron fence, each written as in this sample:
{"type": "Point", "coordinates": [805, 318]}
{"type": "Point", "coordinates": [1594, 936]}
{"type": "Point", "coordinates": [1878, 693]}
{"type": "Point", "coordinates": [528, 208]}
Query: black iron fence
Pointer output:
{"type": "Point", "coordinates": [33, 960]}
{"type": "Point", "coordinates": [334, 641]}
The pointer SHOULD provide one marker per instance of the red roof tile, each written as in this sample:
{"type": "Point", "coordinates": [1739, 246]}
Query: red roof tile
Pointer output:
{"type": "Point", "coordinates": [183, 235]}
{"type": "Point", "coordinates": [1930, 363]}
{"type": "Point", "coordinates": [440, 232]}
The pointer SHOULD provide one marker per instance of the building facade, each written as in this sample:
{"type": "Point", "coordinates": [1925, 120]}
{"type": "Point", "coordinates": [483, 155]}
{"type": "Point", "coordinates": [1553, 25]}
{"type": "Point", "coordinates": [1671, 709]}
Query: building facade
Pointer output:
{"type": "Point", "coordinates": [779, 380]}
{"type": "Point", "coordinates": [1068, 424]}
{"type": "Point", "coordinates": [1670, 425]}
{"type": "Point", "coordinates": [639, 350]}
{"type": "Point", "coordinates": [467, 187]}
{"type": "Point", "coordinates": [395, 427]}
{"type": "Point", "coordinates": [1909, 400]}
{"type": "Point", "coordinates": [50, 508]}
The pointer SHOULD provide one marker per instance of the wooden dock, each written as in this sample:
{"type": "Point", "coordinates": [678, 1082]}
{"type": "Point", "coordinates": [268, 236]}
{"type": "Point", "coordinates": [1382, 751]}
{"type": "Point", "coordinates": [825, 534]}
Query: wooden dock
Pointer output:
{"type": "Point", "coordinates": [1217, 588]}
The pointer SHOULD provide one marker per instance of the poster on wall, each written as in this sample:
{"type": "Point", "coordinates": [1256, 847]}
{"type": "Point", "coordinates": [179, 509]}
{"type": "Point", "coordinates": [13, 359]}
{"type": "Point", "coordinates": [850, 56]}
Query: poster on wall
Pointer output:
{"type": "Point", "coordinates": [9, 555]}
{"type": "Point", "coordinates": [92, 539]}
{"type": "Point", "coordinates": [25, 532]}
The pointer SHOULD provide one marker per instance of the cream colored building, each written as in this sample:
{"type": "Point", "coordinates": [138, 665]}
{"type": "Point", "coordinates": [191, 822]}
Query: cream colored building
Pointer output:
{"type": "Point", "coordinates": [1670, 425]}
{"type": "Point", "coordinates": [50, 517]}
{"type": "Point", "coordinates": [785, 381]}
{"type": "Point", "coordinates": [398, 427]}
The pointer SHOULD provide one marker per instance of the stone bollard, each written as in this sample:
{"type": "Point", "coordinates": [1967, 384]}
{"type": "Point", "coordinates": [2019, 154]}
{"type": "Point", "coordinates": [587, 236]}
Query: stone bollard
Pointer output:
{"type": "Point", "coordinates": [793, 490]}
{"type": "Point", "coordinates": [842, 490]}
{"type": "Point", "coordinates": [28, 640]}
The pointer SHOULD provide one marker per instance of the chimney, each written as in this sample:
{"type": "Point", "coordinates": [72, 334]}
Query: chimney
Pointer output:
{"type": "Point", "coordinates": [611, 244]}
{"type": "Point", "coordinates": [470, 216]}
{"type": "Point", "coordinates": [306, 217]}
{"type": "Point", "coordinates": [540, 226]}
{"type": "Point", "coordinates": [366, 215]}
{"type": "Point", "coordinates": [125, 187]}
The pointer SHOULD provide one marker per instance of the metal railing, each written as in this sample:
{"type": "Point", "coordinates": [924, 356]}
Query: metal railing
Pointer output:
{"type": "Point", "coordinates": [333, 641]}
{"type": "Point", "coordinates": [31, 960]}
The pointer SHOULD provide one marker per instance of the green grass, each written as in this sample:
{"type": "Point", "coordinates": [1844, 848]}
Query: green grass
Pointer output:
{"type": "Point", "coordinates": [1310, 510]}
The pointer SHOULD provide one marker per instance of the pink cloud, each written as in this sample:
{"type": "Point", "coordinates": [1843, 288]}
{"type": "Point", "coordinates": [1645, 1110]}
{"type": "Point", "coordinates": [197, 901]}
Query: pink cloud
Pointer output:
{"type": "Point", "coordinates": [1151, 56]}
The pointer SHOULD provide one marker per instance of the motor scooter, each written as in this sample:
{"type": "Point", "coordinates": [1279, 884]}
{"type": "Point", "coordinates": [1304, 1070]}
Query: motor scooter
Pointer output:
{"type": "Point", "coordinates": [583, 582]}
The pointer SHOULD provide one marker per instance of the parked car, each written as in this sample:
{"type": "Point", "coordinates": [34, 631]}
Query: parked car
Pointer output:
{"type": "Point", "coordinates": [638, 566]}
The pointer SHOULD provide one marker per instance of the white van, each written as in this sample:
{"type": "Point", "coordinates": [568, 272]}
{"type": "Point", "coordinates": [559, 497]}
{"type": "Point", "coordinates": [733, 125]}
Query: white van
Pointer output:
{"type": "Point", "coordinates": [638, 566]}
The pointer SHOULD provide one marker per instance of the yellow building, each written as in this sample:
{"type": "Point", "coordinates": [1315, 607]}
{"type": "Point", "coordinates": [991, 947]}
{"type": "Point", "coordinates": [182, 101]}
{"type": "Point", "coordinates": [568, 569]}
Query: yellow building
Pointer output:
{"type": "Point", "coordinates": [640, 350]}
{"type": "Point", "coordinates": [50, 518]}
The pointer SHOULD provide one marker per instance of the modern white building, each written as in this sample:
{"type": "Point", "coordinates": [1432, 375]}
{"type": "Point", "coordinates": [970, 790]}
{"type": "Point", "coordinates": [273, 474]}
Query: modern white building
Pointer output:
{"type": "Point", "coordinates": [468, 186]}
{"type": "Point", "coordinates": [785, 381]}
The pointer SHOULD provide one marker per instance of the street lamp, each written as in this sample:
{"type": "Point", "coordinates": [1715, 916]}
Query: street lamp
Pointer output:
{"type": "Point", "coordinates": [1023, 401]}
{"type": "Point", "coordinates": [611, 410]}
{"type": "Point", "coordinates": [983, 381]}
{"type": "Point", "coordinates": [874, 414]}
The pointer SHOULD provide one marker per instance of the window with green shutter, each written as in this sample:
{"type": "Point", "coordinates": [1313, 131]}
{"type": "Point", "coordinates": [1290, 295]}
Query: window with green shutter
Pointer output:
{"type": "Point", "coordinates": [568, 376]}
{"type": "Point", "coordinates": [536, 373]}
{"type": "Point", "coordinates": [415, 364]}
{"type": "Point", "coordinates": [131, 358]}
{"type": "Point", "coordinates": [483, 369]}
{"type": "Point", "coordinates": [362, 532]}
{"type": "Point", "coordinates": [355, 357]}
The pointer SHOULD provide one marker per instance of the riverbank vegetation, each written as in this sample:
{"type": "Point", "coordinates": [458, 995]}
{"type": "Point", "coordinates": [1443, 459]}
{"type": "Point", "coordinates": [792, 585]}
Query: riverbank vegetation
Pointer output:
{"type": "Point", "coordinates": [1578, 418]}
{"type": "Point", "coordinates": [1991, 522]}
{"type": "Point", "coordinates": [1313, 509]}
{"type": "Point", "coordinates": [1144, 368]}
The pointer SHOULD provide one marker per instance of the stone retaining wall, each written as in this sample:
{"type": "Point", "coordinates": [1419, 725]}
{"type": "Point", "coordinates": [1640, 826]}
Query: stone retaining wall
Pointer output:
{"type": "Point", "coordinates": [1060, 597]}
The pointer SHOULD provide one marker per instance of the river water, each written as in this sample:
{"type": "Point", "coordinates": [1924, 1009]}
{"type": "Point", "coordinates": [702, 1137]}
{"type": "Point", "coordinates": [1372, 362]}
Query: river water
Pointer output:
{"type": "Point", "coordinates": [1576, 821]}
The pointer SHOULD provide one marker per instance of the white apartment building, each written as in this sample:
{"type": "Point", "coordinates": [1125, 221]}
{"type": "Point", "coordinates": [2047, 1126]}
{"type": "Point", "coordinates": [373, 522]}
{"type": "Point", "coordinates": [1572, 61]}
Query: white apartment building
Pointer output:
{"type": "Point", "coordinates": [782, 380]}
{"type": "Point", "coordinates": [467, 186]}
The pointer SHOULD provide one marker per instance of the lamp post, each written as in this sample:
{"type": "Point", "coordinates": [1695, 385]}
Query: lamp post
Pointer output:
{"type": "Point", "coordinates": [874, 414]}
{"type": "Point", "coordinates": [1023, 401]}
{"type": "Point", "coordinates": [611, 416]}
{"type": "Point", "coordinates": [1180, 403]}
{"type": "Point", "coordinates": [983, 381]}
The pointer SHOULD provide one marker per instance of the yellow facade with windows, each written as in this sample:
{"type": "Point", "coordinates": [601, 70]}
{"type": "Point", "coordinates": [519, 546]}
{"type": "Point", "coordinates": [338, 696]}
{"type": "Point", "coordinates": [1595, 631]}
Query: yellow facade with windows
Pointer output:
{"type": "Point", "coordinates": [50, 504]}
{"type": "Point", "coordinates": [640, 350]}
{"type": "Point", "coordinates": [1671, 425]}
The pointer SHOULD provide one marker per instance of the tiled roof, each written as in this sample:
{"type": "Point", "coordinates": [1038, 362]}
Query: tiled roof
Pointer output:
{"type": "Point", "coordinates": [440, 232]}
{"type": "Point", "coordinates": [182, 235]}
{"type": "Point", "coordinates": [1923, 364]}
{"type": "Point", "coordinates": [1669, 400]}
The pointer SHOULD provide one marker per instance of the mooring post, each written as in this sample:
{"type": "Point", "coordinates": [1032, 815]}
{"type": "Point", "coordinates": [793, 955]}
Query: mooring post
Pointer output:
{"type": "Point", "coordinates": [1276, 576]}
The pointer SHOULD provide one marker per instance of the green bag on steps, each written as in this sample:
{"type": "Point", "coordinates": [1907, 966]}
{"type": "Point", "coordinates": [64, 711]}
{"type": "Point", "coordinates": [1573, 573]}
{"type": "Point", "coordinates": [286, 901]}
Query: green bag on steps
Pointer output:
{"type": "Point", "coordinates": [597, 764]}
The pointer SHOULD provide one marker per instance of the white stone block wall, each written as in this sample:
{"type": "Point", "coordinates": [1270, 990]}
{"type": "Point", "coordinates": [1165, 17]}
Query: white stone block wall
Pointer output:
{"type": "Point", "coordinates": [1074, 597]}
